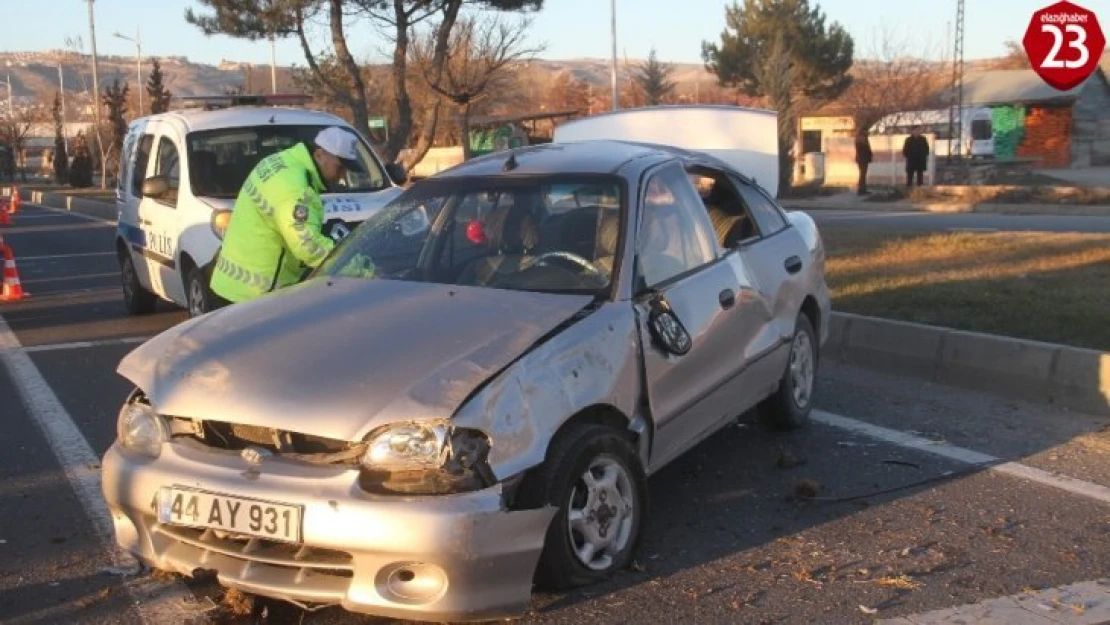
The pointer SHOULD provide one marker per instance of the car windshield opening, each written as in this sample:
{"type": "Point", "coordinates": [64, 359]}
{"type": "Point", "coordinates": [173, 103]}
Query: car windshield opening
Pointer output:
{"type": "Point", "coordinates": [557, 234]}
{"type": "Point", "coordinates": [220, 160]}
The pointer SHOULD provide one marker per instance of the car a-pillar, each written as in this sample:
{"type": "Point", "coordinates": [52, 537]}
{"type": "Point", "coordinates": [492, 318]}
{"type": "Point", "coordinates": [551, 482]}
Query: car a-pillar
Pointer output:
{"type": "Point", "coordinates": [599, 521]}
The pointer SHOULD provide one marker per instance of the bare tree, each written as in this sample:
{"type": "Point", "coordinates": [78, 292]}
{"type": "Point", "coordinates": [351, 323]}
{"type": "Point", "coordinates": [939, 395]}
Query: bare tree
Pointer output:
{"type": "Point", "coordinates": [893, 80]}
{"type": "Point", "coordinates": [14, 132]}
{"type": "Point", "coordinates": [479, 59]}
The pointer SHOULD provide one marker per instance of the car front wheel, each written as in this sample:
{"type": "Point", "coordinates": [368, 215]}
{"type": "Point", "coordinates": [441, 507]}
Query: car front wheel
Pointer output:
{"type": "Point", "coordinates": [790, 406]}
{"type": "Point", "coordinates": [595, 479]}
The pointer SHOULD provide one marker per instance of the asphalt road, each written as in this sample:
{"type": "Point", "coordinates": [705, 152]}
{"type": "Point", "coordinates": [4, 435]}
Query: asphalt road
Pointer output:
{"type": "Point", "coordinates": [939, 222]}
{"type": "Point", "coordinates": [915, 510]}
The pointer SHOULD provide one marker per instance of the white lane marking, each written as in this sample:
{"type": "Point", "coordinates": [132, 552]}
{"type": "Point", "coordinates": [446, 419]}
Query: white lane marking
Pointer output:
{"type": "Point", "coordinates": [968, 456]}
{"type": "Point", "coordinates": [154, 602]}
{"type": "Point", "coordinates": [51, 347]}
{"type": "Point", "coordinates": [1083, 603]}
{"type": "Point", "coordinates": [24, 259]}
{"type": "Point", "coordinates": [75, 214]}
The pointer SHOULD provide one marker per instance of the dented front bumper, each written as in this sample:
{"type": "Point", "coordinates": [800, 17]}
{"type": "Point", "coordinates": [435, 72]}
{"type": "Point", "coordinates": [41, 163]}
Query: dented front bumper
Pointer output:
{"type": "Point", "coordinates": [457, 557]}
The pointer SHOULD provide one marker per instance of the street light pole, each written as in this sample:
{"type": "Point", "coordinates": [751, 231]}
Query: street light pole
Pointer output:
{"type": "Point", "coordinates": [96, 99]}
{"type": "Point", "coordinates": [138, 41]}
{"type": "Point", "coordinates": [62, 92]}
{"type": "Point", "coordinates": [613, 72]}
{"type": "Point", "coordinates": [273, 66]}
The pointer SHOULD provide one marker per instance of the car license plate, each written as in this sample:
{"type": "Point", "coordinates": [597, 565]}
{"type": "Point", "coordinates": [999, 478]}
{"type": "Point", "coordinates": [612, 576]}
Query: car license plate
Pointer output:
{"type": "Point", "coordinates": [253, 517]}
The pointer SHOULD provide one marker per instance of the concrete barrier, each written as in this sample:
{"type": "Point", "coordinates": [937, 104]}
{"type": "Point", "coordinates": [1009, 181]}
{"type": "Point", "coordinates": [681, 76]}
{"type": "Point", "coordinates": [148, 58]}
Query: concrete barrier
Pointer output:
{"type": "Point", "coordinates": [104, 209]}
{"type": "Point", "coordinates": [1060, 375]}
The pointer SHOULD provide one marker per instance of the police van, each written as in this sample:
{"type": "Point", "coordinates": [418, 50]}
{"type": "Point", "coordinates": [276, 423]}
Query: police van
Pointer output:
{"type": "Point", "coordinates": [179, 176]}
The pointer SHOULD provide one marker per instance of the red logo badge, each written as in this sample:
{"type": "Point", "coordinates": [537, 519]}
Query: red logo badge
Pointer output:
{"type": "Point", "coordinates": [1064, 43]}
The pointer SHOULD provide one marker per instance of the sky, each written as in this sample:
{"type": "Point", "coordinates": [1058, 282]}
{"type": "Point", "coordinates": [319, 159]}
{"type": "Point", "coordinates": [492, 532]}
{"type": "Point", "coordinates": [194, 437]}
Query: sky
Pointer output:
{"type": "Point", "coordinates": [567, 28]}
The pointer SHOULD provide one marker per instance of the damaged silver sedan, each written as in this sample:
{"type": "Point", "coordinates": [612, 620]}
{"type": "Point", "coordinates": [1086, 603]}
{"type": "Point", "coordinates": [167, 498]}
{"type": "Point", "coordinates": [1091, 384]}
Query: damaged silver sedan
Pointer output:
{"type": "Point", "coordinates": [530, 336]}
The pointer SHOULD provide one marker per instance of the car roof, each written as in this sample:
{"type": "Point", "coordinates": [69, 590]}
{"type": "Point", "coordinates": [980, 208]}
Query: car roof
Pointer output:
{"type": "Point", "coordinates": [192, 120]}
{"type": "Point", "coordinates": [595, 156]}
{"type": "Point", "coordinates": [586, 157]}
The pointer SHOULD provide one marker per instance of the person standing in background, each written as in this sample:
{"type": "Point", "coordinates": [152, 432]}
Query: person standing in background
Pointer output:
{"type": "Point", "coordinates": [916, 151]}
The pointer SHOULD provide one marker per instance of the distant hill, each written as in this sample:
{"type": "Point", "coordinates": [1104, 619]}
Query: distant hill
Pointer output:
{"type": "Point", "coordinates": [34, 75]}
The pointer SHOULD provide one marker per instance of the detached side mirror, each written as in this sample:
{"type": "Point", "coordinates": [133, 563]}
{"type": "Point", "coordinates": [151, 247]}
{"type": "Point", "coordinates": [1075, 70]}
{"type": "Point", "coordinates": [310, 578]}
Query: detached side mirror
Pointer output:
{"type": "Point", "coordinates": [666, 329]}
{"type": "Point", "coordinates": [155, 186]}
{"type": "Point", "coordinates": [397, 172]}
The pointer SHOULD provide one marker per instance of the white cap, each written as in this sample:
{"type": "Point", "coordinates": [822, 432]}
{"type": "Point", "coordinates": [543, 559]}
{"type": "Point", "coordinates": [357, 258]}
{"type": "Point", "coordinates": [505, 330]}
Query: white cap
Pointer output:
{"type": "Point", "coordinates": [342, 144]}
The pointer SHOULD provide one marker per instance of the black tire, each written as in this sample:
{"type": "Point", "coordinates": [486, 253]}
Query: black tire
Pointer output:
{"type": "Point", "coordinates": [197, 296]}
{"type": "Point", "coordinates": [560, 478]}
{"type": "Point", "coordinates": [136, 299]}
{"type": "Point", "coordinates": [787, 409]}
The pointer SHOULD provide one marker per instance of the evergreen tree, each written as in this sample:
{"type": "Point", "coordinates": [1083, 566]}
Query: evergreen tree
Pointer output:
{"type": "Point", "coordinates": [61, 158]}
{"type": "Point", "coordinates": [115, 98]}
{"type": "Point", "coordinates": [156, 89]}
{"type": "Point", "coordinates": [653, 78]}
{"type": "Point", "coordinates": [781, 50]}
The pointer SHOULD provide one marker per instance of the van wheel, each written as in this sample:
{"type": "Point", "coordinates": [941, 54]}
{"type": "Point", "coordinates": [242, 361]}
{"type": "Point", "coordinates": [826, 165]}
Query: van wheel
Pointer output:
{"type": "Point", "coordinates": [197, 294]}
{"type": "Point", "coordinates": [789, 407]}
{"type": "Point", "coordinates": [594, 477]}
{"type": "Point", "coordinates": [136, 299]}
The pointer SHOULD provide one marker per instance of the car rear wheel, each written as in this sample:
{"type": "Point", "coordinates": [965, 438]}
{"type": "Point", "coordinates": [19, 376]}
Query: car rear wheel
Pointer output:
{"type": "Point", "coordinates": [197, 293]}
{"type": "Point", "coordinates": [136, 299]}
{"type": "Point", "coordinates": [595, 479]}
{"type": "Point", "coordinates": [790, 406]}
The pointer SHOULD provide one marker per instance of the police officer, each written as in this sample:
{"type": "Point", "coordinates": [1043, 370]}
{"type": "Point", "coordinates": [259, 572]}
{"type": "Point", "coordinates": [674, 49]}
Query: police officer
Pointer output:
{"type": "Point", "coordinates": [275, 227]}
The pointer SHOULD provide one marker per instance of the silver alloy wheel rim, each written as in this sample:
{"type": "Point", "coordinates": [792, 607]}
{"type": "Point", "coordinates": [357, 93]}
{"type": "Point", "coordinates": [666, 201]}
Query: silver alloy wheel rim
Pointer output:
{"type": "Point", "coordinates": [600, 513]}
{"type": "Point", "coordinates": [801, 369]}
{"type": "Point", "coordinates": [196, 296]}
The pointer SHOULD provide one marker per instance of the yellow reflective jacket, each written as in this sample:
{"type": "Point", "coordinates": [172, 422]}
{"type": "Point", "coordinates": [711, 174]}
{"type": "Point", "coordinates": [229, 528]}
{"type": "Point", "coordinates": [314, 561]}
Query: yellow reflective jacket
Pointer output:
{"type": "Point", "coordinates": [274, 232]}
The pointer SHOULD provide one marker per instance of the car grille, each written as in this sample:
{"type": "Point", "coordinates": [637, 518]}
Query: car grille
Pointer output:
{"type": "Point", "coordinates": [317, 575]}
{"type": "Point", "coordinates": [236, 437]}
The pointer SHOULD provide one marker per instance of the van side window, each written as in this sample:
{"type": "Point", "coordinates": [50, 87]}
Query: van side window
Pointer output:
{"type": "Point", "coordinates": [142, 157]}
{"type": "Point", "coordinates": [168, 165]}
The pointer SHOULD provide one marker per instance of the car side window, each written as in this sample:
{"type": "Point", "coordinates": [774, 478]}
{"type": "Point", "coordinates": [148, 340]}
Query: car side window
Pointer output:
{"type": "Point", "coordinates": [672, 239]}
{"type": "Point", "coordinates": [168, 165]}
{"type": "Point", "coordinates": [142, 157]}
{"type": "Point", "coordinates": [762, 209]}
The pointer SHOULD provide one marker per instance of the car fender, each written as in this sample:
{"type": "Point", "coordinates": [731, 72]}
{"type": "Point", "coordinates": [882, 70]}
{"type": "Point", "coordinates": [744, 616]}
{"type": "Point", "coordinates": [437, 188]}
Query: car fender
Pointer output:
{"type": "Point", "coordinates": [592, 362]}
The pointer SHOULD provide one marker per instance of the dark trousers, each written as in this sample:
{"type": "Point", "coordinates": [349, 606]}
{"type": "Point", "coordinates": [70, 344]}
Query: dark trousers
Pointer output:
{"type": "Point", "coordinates": [920, 176]}
{"type": "Point", "coordinates": [862, 184]}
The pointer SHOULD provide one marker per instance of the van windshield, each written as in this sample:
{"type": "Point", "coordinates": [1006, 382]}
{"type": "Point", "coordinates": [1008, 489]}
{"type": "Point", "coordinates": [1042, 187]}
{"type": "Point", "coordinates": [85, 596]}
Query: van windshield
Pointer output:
{"type": "Point", "coordinates": [220, 160]}
{"type": "Point", "coordinates": [981, 129]}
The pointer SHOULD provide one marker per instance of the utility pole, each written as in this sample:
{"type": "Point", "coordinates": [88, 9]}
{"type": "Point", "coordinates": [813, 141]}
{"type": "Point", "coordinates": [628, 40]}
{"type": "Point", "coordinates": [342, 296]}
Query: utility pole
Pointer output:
{"type": "Point", "coordinates": [96, 101]}
{"type": "Point", "coordinates": [956, 103]}
{"type": "Point", "coordinates": [138, 64]}
{"type": "Point", "coordinates": [613, 76]}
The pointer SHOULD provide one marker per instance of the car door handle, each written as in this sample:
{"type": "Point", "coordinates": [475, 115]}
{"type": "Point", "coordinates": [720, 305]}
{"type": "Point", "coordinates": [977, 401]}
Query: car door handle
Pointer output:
{"type": "Point", "coordinates": [727, 298]}
{"type": "Point", "coordinates": [793, 264]}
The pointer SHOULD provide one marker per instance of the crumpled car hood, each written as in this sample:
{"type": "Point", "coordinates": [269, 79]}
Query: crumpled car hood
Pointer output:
{"type": "Point", "coordinates": [338, 357]}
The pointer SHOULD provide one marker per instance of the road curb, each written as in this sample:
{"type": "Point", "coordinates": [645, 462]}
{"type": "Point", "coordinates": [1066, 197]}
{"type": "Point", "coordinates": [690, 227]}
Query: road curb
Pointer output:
{"type": "Point", "coordinates": [1059, 375]}
{"type": "Point", "coordinates": [1086, 210]}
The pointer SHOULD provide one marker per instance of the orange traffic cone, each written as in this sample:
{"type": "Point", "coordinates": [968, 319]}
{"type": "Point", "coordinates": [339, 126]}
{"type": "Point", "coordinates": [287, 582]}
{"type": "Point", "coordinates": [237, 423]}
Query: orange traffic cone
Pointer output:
{"type": "Point", "coordinates": [16, 199]}
{"type": "Point", "coordinates": [13, 291]}
{"type": "Point", "coordinates": [4, 219]}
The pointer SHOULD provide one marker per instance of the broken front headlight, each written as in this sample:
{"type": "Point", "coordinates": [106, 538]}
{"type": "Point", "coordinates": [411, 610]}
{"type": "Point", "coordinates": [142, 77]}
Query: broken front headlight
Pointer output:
{"type": "Point", "coordinates": [141, 429]}
{"type": "Point", "coordinates": [425, 458]}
